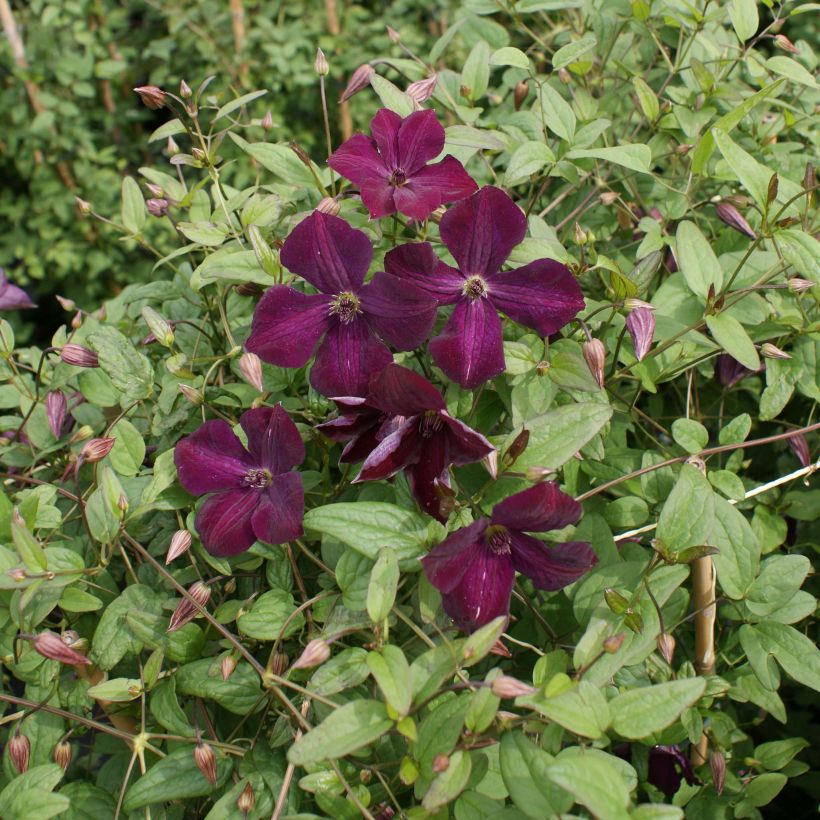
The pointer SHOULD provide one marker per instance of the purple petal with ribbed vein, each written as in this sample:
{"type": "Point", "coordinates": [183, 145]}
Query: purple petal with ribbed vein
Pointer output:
{"type": "Point", "coordinates": [377, 197]}
{"type": "Point", "coordinates": [641, 326]}
{"type": "Point", "coordinates": [12, 297]}
{"type": "Point", "coordinates": [481, 231]}
{"type": "Point", "coordinates": [211, 459]}
{"type": "Point", "coordinates": [403, 392]}
{"type": "Point", "coordinates": [401, 313]}
{"type": "Point", "coordinates": [469, 348]}
{"type": "Point", "coordinates": [466, 445]}
{"type": "Point", "coordinates": [540, 508]}
{"type": "Point", "coordinates": [385, 129]}
{"type": "Point", "coordinates": [287, 326]}
{"type": "Point", "coordinates": [224, 522]}
{"type": "Point", "coordinates": [542, 295]}
{"type": "Point", "coordinates": [347, 358]}
{"type": "Point", "coordinates": [431, 186]}
{"type": "Point", "coordinates": [358, 160]}
{"type": "Point", "coordinates": [420, 139]}
{"type": "Point", "coordinates": [551, 567]}
{"type": "Point", "coordinates": [393, 453]}
{"type": "Point", "coordinates": [447, 562]}
{"type": "Point", "coordinates": [327, 252]}
{"type": "Point", "coordinates": [416, 262]}
{"type": "Point", "coordinates": [430, 469]}
{"type": "Point", "coordinates": [273, 440]}
{"type": "Point", "coordinates": [278, 516]}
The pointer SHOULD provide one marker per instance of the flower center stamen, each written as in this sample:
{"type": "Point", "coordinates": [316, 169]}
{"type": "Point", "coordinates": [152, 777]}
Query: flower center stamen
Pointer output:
{"type": "Point", "coordinates": [398, 178]}
{"type": "Point", "coordinates": [498, 539]}
{"type": "Point", "coordinates": [474, 288]}
{"type": "Point", "coordinates": [345, 306]}
{"type": "Point", "coordinates": [430, 423]}
{"type": "Point", "coordinates": [258, 479]}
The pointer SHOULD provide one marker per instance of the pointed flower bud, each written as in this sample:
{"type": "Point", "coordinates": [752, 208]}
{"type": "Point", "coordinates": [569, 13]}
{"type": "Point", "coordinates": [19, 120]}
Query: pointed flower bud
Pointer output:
{"type": "Point", "coordinates": [151, 96]}
{"type": "Point", "coordinates": [328, 205]}
{"type": "Point", "coordinates": [246, 800]}
{"type": "Point", "coordinates": [595, 355]}
{"type": "Point", "coordinates": [717, 763]}
{"type": "Point", "coordinates": [314, 654]}
{"type": "Point", "coordinates": [641, 326]}
{"type": "Point", "coordinates": [421, 90]}
{"type": "Point", "coordinates": [180, 544]}
{"type": "Point", "coordinates": [56, 408]}
{"type": "Point", "coordinates": [79, 356]}
{"type": "Point", "coordinates": [250, 366]}
{"type": "Point", "coordinates": [62, 755]}
{"type": "Point", "coordinates": [441, 763]}
{"type": "Point", "coordinates": [157, 207]}
{"type": "Point", "coordinates": [83, 206]}
{"type": "Point", "coordinates": [631, 303]}
{"type": "Point", "coordinates": [536, 475]}
{"type": "Point", "coordinates": [666, 647]}
{"type": "Point", "coordinates": [227, 666]}
{"type": "Point", "coordinates": [490, 463]}
{"type": "Point", "coordinates": [520, 92]}
{"type": "Point", "coordinates": [612, 643]}
{"type": "Point", "coordinates": [784, 43]}
{"type": "Point", "coordinates": [96, 449]}
{"type": "Point", "coordinates": [198, 154]}
{"type": "Point", "coordinates": [279, 663]}
{"type": "Point", "coordinates": [77, 320]}
{"type": "Point", "coordinates": [798, 285]}
{"type": "Point", "coordinates": [192, 394]}
{"type": "Point", "coordinates": [19, 749]}
{"type": "Point", "coordinates": [159, 326]}
{"type": "Point", "coordinates": [359, 79]}
{"type": "Point", "coordinates": [320, 64]}
{"type": "Point", "coordinates": [171, 147]}
{"type": "Point", "coordinates": [205, 760]}
{"type": "Point", "coordinates": [267, 121]}
{"type": "Point", "coordinates": [155, 190]}
{"type": "Point", "coordinates": [50, 645]}
{"type": "Point", "coordinates": [771, 351]}
{"type": "Point", "coordinates": [184, 90]}
{"type": "Point", "coordinates": [393, 35]}
{"type": "Point", "coordinates": [516, 449]}
{"type": "Point", "coordinates": [186, 611]}
{"type": "Point", "coordinates": [733, 218]}
{"type": "Point", "coordinates": [800, 447]}
{"type": "Point", "coordinates": [505, 686]}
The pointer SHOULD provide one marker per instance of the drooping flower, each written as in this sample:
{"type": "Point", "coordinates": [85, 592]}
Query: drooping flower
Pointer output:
{"type": "Point", "coordinates": [12, 297]}
{"type": "Point", "coordinates": [424, 441]}
{"type": "Point", "coordinates": [480, 233]}
{"type": "Point", "coordinates": [729, 371]}
{"type": "Point", "coordinates": [641, 326]}
{"type": "Point", "coordinates": [474, 568]}
{"type": "Point", "coordinates": [255, 493]}
{"type": "Point", "coordinates": [391, 167]}
{"type": "Point", "coordinates": [358, 425]}
{"type": "Point", "coordinates": [668, 766]}
{"type": "Point", "coordinates": [352, 318]}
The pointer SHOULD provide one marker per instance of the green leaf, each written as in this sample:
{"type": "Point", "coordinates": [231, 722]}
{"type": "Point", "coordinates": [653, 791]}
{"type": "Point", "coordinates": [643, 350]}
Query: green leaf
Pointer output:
{"type": "Point", "coordinates": [594, 782]}
{"type": "Point", "coordinates": [738, 550]}
{"type": "Point", "coordinates": [690, 434]}
{"type": "Point", "coordinates": [281, 160]}
{"type": "Point", "coordinates": [572, 52]}
{"type": "Point", "coordinates": [697, 260]}
{"type": "Point", "coordinates": [791, 69]}
{"type": "Point", "coordinates": [802, 252]}
{"type": "Point", "coordinates": [737, 430]}
{"type": "Point", "coordinates": [230, 264]}
{"type": "Point", "coordinates": [752, 175]}
{"type": "Point", "coordinates": [647, 709]}
{"type": "Point", "coordinates": [797, 654]}
{"type": "Point", "coordinates": [133, 206]}
{"type": "Point", "coordinates": [583, 709]}
{"type": "Point", "coordinates": [348, 728]}
{"type": "Point", "coordinates": [528, 159]}
{"type": "Point", "coordinates": [687, 517]}
{"type": "Point", "coordinates": [204, 233]}
{"type": "Point", "coordinates": [477, 645]}
{"type": "Point", "coordinates": [30, 795]}
{"type": "Point", "coordinates": [745, 20]}
{"type": "Point", "coordinates": [391, 96]}
{"type": "Point", "coordinates": [524, 770]}
{"type": "Point", "coordinates": [762, 663]}
{"type": "Point", "coordinates": [129, 370]}
{"type": "Point", "coordinates": [778, 753]}
{"type": "Point", "coordinates": [128, 451]}
{"type": "Point", "coordinates": [392, 673]}
{"type": "Point", "coordinates": [347, 669]}
{"type": "Point", "coordinates": [118, 690]}
{"type": "Point", "coordinates": [28, 547]}
{"type": "Point", "coordinates": [168, 129]}
{"type": "Point", "coordinates": [233, 105]}
{"type": "Point", "coordinates": [450, 783]}
{"type": "Point", "coordinates": [176, 777]}
{"type": "Point", "coordinates": [240, 694]}
{"type": "Point", "coordinates": [637, 157]}
{"type": "Point", "coordinates": [558, 116]}
{"type": "Point", "coordinates": [781, 576]}
{"type": "Point", "coordinates": [733, 338]}
{"type": "Point", "coordinates": [112, 638]}
{"type": "Point", "coordinates": [646, 98]}
{"type": "Point", "coordinates": [88, 802]}
{"type": "Point", "coordinates": [475, 75]}
{"type": "Point", "coordinates": [267, 618]}
{"type": "Point", "coordinates": [763, 789]}
{"type": "Point", "coordinates": [384, 580]}
{"type": "Point", "coordinates": [510, 56]}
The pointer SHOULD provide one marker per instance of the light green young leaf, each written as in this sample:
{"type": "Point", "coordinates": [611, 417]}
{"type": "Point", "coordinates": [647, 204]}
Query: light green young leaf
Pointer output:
{"type": "Point", "coordinates": [636, 157]}
{"type": "Point", "coordinates": [687, 517]}
{"type": "Point", "coordinates": [733, 338]}
{"type": "Point", "coordinates": [133, 206]}
{"type": "Point", "coordinates": [475, 76]}
{"type": "Point", "coordinates": [233, 105]}
{"type": "Point", "coordinates": [510, 56]}
{"type": "Point", "coordinates": [738, 549]}
{"type": "Point", "coordinates": [594, 782]}
{"type": "Point", "coordinates": [745, 20]}
{"type": "Point", "coordinates": [646, 98]}
{"type": "Point", "coordinates": [392, 673]}
{"type": "Point", "coordinates": [450, 783]}
{"type": "Point", "coordinates": [696, 259]}
{"type": "Point", "coordinates": [391, 96]}
{"type": "Point", "coordinates": [644, 710]}
{"type": "Point", "coordinates": [753, 176]}
{"type": "Point", "coordinates": [527, 159]}
{"type": "Point", "coordinates": [558, 116]}
{"type": "Point", "coordinates": [690, 434]}
{"type": "Point", "coordinates": [384, 579]}
{"type": "Point", "coordinates": [791, 69]}
{"type": "Point", "coordinates": [572, 52]}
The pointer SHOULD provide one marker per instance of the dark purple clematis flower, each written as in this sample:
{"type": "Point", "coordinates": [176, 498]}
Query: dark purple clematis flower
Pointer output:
{"type": "Point", "coordinates": [729, 371]}
{"type": "Point", "coordinates": [391, 167]}
{"type": "Point", "coordinates": [351, 317]}
{"type": "Point", "coordinates": [474, 568]}
{"type": "Point", "coordinates": [359, 426]}
{"type": "Point", "coordinates": [422, 438]}
{"type": "Point", "coordinates": [255, 494]}
{"type": "Point", "coordinates": [668, 766]}
{"type": "Point", "coordinates": [12, 297]}
{"type": "Point", "coordinates": [481, 232]}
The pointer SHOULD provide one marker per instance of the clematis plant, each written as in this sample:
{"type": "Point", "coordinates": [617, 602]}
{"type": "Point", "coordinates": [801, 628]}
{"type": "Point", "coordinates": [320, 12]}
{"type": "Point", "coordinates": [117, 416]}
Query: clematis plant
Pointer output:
{"type": "Point", "coordinates": [255, 494]}
{"type": "Point", "coordinates": [11, 296]}
{"type": "Point", "coordinates": [391, 167]}
{"type": "Point", "coordinates": [480, 233]}
{"type": "Point", "coordinates": [474, 568]}
{"type": "Point", "coordinates": [349, 317]}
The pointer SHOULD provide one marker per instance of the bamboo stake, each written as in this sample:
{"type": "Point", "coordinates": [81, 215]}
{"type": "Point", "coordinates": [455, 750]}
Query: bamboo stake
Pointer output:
{"type": "Point", "coordinates": [703, 602]}
{"type": "Point", "coordinates": [238, 25]}
{"type": "Point", "coordinates": [335, 28]}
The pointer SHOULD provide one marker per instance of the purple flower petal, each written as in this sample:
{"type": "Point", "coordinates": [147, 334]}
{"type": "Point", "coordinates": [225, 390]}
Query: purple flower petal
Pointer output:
{"type": "Point", "coordinates": [481, 231]}
{"type": "Point", "coordinates": [433, 185]}
{"type": "Point", "coordinates": [469, 348]}
{"type": "Point", "coordinates": [393, 453]}
{"type": "Point", "coordinates": [542, 295]}
{"type": "Point", "coordinates": [540, 508]}
{"type": "Point", "coordinates": [641, 326]}
{"type": "Point", "coordinates": [278, 516]}
{"type": "Point", "coordinates": [416, 262]}
{"type": "Point", "coordinates": [287, 326]}
{"type": "Point", "coordinates": [401, 313]}
{"type": "Point", "coordinates": [668, 766]}
{"type": "Point", "coordinates": [403, 392]}
{"type": "Point", "coordinates": [447, 562]}
{"type": "Point", "coordinates": [430, 468]}
{"type": "Point", "coordinates": [420, 139]}
{"type": "Point", "coordinates": [12, 297]}
{"type": "Point", "coordinates": [466, 445]}
{"type": "Point", "coordinates": [212, 459]}
{"type": "Point", "coordinates": [224, 522]}
{"type": "Point", "coordinates": [327, 252]}
{"type": "Point", "coordinates": [551, 567]}
{"type": "Point", "coordinates": [385, 129]}
{"type": "Point", "coordinates": [273, 440]}
{"type": "Point", "coordinates": [347, 358]}
{"type": "Point", "coordinates": [358, 160]}
{"type": "Point", "coordinates": [378, 197]}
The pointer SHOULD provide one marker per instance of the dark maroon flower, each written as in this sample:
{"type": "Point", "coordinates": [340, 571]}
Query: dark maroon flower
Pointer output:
{"type": "Point", "coordinates": [352, 317]}
{"type": "Point", "coordinates": [359, 425]}
{"type": "Point", "coordinates": [729, 371]}
{"type": "Point", "coordinates": [641, 326]}
{"type": "Point", "coordinates": [256, 496]}
{"type": "Point", "coordinates": [424, 440]}
{"type": "Point", "coordinates": [481, 232]}
{"type": "Point", "coordinates": [391, 167]}
{"type": "Point", "coordinates": [668, 766]}
{"type": "Point", "coordinates": [474, 568]}
{"type": "Point", "coordinates": [12, 297]}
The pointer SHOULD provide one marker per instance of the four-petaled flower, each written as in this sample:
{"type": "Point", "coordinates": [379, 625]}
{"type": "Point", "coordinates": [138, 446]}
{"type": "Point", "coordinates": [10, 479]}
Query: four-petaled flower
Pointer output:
{"type": "Point", "coordinates": [256, 496]}
{"type": "Point", "coordinates": [474, 568]}
{"type": "Point", "coordinates": [480, 233]}
{"type": "Point", "coordinates": [12, 297]}
{"type": "Point", "coordinates": [352, 317]}
{"type": "Point", "coordinates": [419, 437]}
{"type": "Point", "coordinates": [391, 167]}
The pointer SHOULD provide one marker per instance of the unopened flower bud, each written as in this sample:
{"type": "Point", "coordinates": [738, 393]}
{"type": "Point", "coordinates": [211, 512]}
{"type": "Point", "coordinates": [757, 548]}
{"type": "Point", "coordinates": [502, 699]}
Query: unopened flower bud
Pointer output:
{"type": "Point", "coordinates": [155, 190]}
{"type": "Point", "coordinates": [81, 434]}
{"type": "Point", "coordinates": [717, 763]}
{"type": "Point", "coordinates": [180, 544]}
{"type": "Point", "coordinates": [157, 207]}
{"type": "Point", "coordinates": [205, 760]}
{"type": "Point", "coordinates": [608, 197]}
{"type": "Point", "coordinates": [798, 285]}
{"type": "Point", "coordinates": [17, 574]}
{"type": "Point", "coordinates": [96, 449]}
{"type": "Point", "coordinates": [314, 654]}
{"type": "Point", "coordinates": [581, 237]}
{"type": "Point", "coordinates": [249, 289]}
{"type": "Point", "coordinates": [83, 207]}
{"type": "Point", "coordinates": [490, 463]}
{"type": "Point", "coordinates": [50, 645]}
{"type": "Point", "coordinates": [520, 92]}
{"type": "Point", "coordinates": [77, 320]}
{"type": "Point", "coordinates": [227, 666]}
{"type": "Point", "coordinates": [192, 394]}
{"type": "Point", "coordinates": [79, 356]}
{"type": "Point", "coordinates": [151, 96]}
{"type": "Point", "coordinates": [320, 64]}
{"type": "Point", "coordinates": [612, 643]}
{"type": "Point", "coordinates": [784, 43]}
{"type": "Point", "coordinates": [328, 205]}
{"type": "Point", "coordinates": [666, 647]}
{"type": "Point", "coordinates": [186, 609]}
{"type": "Point", "coordinates": [279, 663]}
{"type": "Point", "coordinates": [631, 303]}
{"type": "Point", "coordinates": [62, 755]}
{"type": "Point", "coordinates": [595, 355]}
{"type": "Point", "coordinates": [641, 326]}
{"type": "Point", "coordinates": [359, 79]}
{"type": "Point", "coordinates": [800, 447]}
{"type": "Point", "coordinates": [440, 763]}
{"type": "Point", "coordinates": [519, 444]}
{"type": "Point", "coordinates": [267, 121]}
{"type": "Point", "coordinates": [771, 351]}
{"type": "Point", "coordinates": [421, 90]}
{"type": "Point", "coordinates": [437, 215]}
{"type": "Point", "coordinates": [393, 35]}
{"type": "Point", "coordinates": [184, 90]}
{"type": "Point", "coordinates": [734, 219]}
{"type": "Point", "coordinates": [246, 800]}
{"type": "Point", "coordinates": [505, 686]}
{"type": "Point", "coordinates": [301, 153]}
{"type": "Point", "coordinates": [536, 475]}
{"type": "Point", "coordinates": [198, 154]}
{"type": "Point", "coordinates": [250, 366]}
{"type": "Point", "coordinates": [19, 749]}
{"type": "Point", "coordinates": [159, 326]}
{"type": "Point", "coordinates": [66, 304]}
{"type": "Point", "coordinates": [171, 147]}
{"type": "Point", "coordinates": [56, 408]}
{"type": "Point", "coordinates": [684, 148]}
{"type": "Point", "coordinates": [564, 76]}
